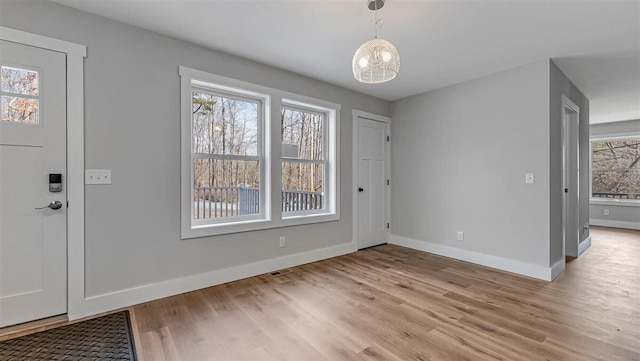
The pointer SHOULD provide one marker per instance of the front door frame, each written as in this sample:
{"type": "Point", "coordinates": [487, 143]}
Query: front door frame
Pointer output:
{"type": "Point", "coordinates": [354, 180]}
{"type": "Point", "coordinates": [75, 54]}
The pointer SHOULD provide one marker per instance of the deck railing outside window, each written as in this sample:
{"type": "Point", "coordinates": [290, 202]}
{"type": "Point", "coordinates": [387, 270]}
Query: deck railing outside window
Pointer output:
{"type": "Point", "coordinates": [216, 202]}
{"type": "Point", "coordinates": [616, 195]}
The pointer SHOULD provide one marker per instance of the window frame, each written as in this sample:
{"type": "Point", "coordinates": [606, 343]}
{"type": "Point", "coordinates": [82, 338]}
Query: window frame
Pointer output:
{"type": "Point", "coordinates": [39, 72]}
{"type": "Point", "coordinates": [271, 180]}
{"type": "Point", "coordinates": [609, 201]}
{"type": "Point", "coordinates": [259, 157]}
{"type": "Point", "coordinates": [190, 79]}
{"type": "Point", "coordinates": [329, 180]}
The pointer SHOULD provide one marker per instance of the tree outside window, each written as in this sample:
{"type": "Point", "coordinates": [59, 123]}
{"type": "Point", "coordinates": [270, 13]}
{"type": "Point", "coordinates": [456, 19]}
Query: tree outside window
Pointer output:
{"type": "Point", "coordinates": [616, 168]}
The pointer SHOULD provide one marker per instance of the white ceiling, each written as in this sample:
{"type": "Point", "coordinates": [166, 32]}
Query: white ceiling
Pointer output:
{"type": "Point", "coordinates": [597, 43]}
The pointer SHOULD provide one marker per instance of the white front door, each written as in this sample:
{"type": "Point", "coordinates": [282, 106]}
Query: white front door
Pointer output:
{"type": "Point", "coordinates": [33, 242]}
{"type": "Point", "coordinates": [372, 218]}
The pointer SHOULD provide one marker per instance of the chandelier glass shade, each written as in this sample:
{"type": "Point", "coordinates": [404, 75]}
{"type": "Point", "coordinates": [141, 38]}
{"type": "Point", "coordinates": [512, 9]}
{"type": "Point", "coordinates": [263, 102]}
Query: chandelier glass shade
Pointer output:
{"type": "Point", "coordinates": [376, 61]}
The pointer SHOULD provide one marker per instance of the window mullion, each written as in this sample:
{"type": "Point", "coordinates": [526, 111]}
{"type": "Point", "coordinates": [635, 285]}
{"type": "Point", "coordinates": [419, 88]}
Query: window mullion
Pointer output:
{"type": "Point", "coordinates": [19, 95]}
{"type": "Point", "coordinates": [303, 160]}
{"type": "Point", "coordinates": [226, 156]}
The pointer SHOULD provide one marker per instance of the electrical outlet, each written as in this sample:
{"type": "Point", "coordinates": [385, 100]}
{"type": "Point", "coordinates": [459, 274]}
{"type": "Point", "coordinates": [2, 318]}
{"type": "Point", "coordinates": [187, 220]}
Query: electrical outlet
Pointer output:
{"type": "Point", "coordinates": [460, 236]}
{"type": "Point", "coordinates": [606, 212]}
{"type": "Point", "coordinates": [529, 178]}
{"type": "Point", "coordinates": [283, 242]}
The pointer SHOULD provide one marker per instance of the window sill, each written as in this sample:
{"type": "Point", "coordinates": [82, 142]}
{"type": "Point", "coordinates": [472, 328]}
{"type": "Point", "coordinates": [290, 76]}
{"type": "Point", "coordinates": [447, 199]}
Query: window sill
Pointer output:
{"type": "Point", "coordinates": [615, 202]}
{"type": "Point", "coordinates": [301, 219]}
{"type": "Point", "coordinates": [207, 230]}
{"type": "Point", "coordinates": [255, 225]}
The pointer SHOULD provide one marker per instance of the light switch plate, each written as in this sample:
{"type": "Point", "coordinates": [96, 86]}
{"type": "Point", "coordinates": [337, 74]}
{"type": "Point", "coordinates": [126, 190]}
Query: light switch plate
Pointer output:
{"type": "Point", "coordinates": [529, 178]}
{"type": "Point", "coordinates": [97, 176]}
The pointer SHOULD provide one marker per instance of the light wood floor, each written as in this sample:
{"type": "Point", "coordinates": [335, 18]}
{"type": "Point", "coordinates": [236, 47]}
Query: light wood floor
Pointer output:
{"type": "Point", "coordinates": [393, 303]}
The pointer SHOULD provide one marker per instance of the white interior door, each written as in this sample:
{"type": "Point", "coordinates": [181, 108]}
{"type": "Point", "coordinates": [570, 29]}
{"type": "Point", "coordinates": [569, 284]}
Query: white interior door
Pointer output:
{"type": "Point", "coordinates": [571, 208]}
{"type": "Point", "coordinates": [33, 253]}
{"type": "Point", "coordinates": [372, 192]}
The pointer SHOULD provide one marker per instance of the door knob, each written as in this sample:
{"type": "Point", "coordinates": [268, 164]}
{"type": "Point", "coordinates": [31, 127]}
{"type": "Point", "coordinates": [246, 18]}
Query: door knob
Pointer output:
{"type": "Point", "coordinates": [360, 189]}
{"type": "Point", "coordinates": [53, 205]}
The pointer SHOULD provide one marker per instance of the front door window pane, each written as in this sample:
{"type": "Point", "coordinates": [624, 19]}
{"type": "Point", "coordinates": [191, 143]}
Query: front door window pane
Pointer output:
{"type": "Point", "coordinates": [20, 95]}
{"type": "Point", "coordinates": [20, 110]}
{"type": "Point", "coordinates": [19, 81]}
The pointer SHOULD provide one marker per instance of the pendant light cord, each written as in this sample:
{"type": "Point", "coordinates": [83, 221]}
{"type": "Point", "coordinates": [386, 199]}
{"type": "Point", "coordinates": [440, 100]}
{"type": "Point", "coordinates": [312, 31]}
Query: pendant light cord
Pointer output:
{"type": "Point", "coordinates": [375, 22]}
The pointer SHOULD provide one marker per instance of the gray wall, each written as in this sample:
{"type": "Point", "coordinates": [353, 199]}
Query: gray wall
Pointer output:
{"type": "Point", "coordinates": [629, 215]}
{"type": "Point", "coordinates": [561, 85]}
{"type": "Point", "coordinates": [132, 124]}
{"type": "Point", "coordinates": [619, 216]}
{"type": "Point", "coordinates": [459, 164]}
{"type": "Point", "coordinates": [627, 127]}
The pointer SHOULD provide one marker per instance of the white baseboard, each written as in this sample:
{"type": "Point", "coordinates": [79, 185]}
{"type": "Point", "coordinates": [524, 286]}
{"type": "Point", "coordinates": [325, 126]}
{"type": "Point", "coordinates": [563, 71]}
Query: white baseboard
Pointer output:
{"type": "Point", "coordinates": [557, 268]}
{"type": "Point", "coordinates": [505, 264]}
{"type": "Point", "coordinates": [582, 246]}
{"type": "Point", "coordinates": [615, 224]}
{"type": "Point", "coordinates": [124, 298]}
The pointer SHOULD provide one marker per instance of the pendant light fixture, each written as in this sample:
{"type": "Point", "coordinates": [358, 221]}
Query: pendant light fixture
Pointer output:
{"type": "Point", "coordinates": [377, 60]}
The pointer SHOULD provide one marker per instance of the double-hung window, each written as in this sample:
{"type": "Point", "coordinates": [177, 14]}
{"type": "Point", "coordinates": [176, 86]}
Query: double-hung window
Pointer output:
{"type": "Point", "coordinates": [305, 159]}
{"type": "Point", "coordinates": [223, 171]}
{"type": "Point", "coordinates": [615, 169]}
{"type": "Point", "coordinates": [227, 156]}
{"type": "Point", "coordinates": [232, 178]}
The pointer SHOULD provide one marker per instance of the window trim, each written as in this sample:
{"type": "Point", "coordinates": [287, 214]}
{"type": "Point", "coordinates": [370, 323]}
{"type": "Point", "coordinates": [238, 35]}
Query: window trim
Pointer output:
{"type": "Point", "coordinates": [272, 180]}
{"type": "Point", "coordinates": [190, 79]}
{"type": "Point", "coordinates": [331, 142]}
{"type": "Point", "coordinates": [605, 201]}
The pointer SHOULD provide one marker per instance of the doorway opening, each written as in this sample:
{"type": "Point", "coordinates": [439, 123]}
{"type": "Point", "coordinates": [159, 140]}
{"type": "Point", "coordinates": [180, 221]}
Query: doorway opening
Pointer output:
{"type": "Point", "coordinates": [571, 177]}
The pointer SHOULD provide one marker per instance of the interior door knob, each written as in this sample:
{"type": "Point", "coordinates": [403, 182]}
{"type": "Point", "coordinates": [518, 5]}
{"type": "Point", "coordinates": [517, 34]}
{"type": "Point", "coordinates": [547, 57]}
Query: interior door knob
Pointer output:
{"type": "Point", "coordinates": [52, 205]}
{"type": "Point", "coordinates": [360, 189]}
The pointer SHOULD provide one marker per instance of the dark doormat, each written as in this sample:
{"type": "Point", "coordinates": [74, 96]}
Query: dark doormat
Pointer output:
{"type": "Point", "coordinates": [103, 338]}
